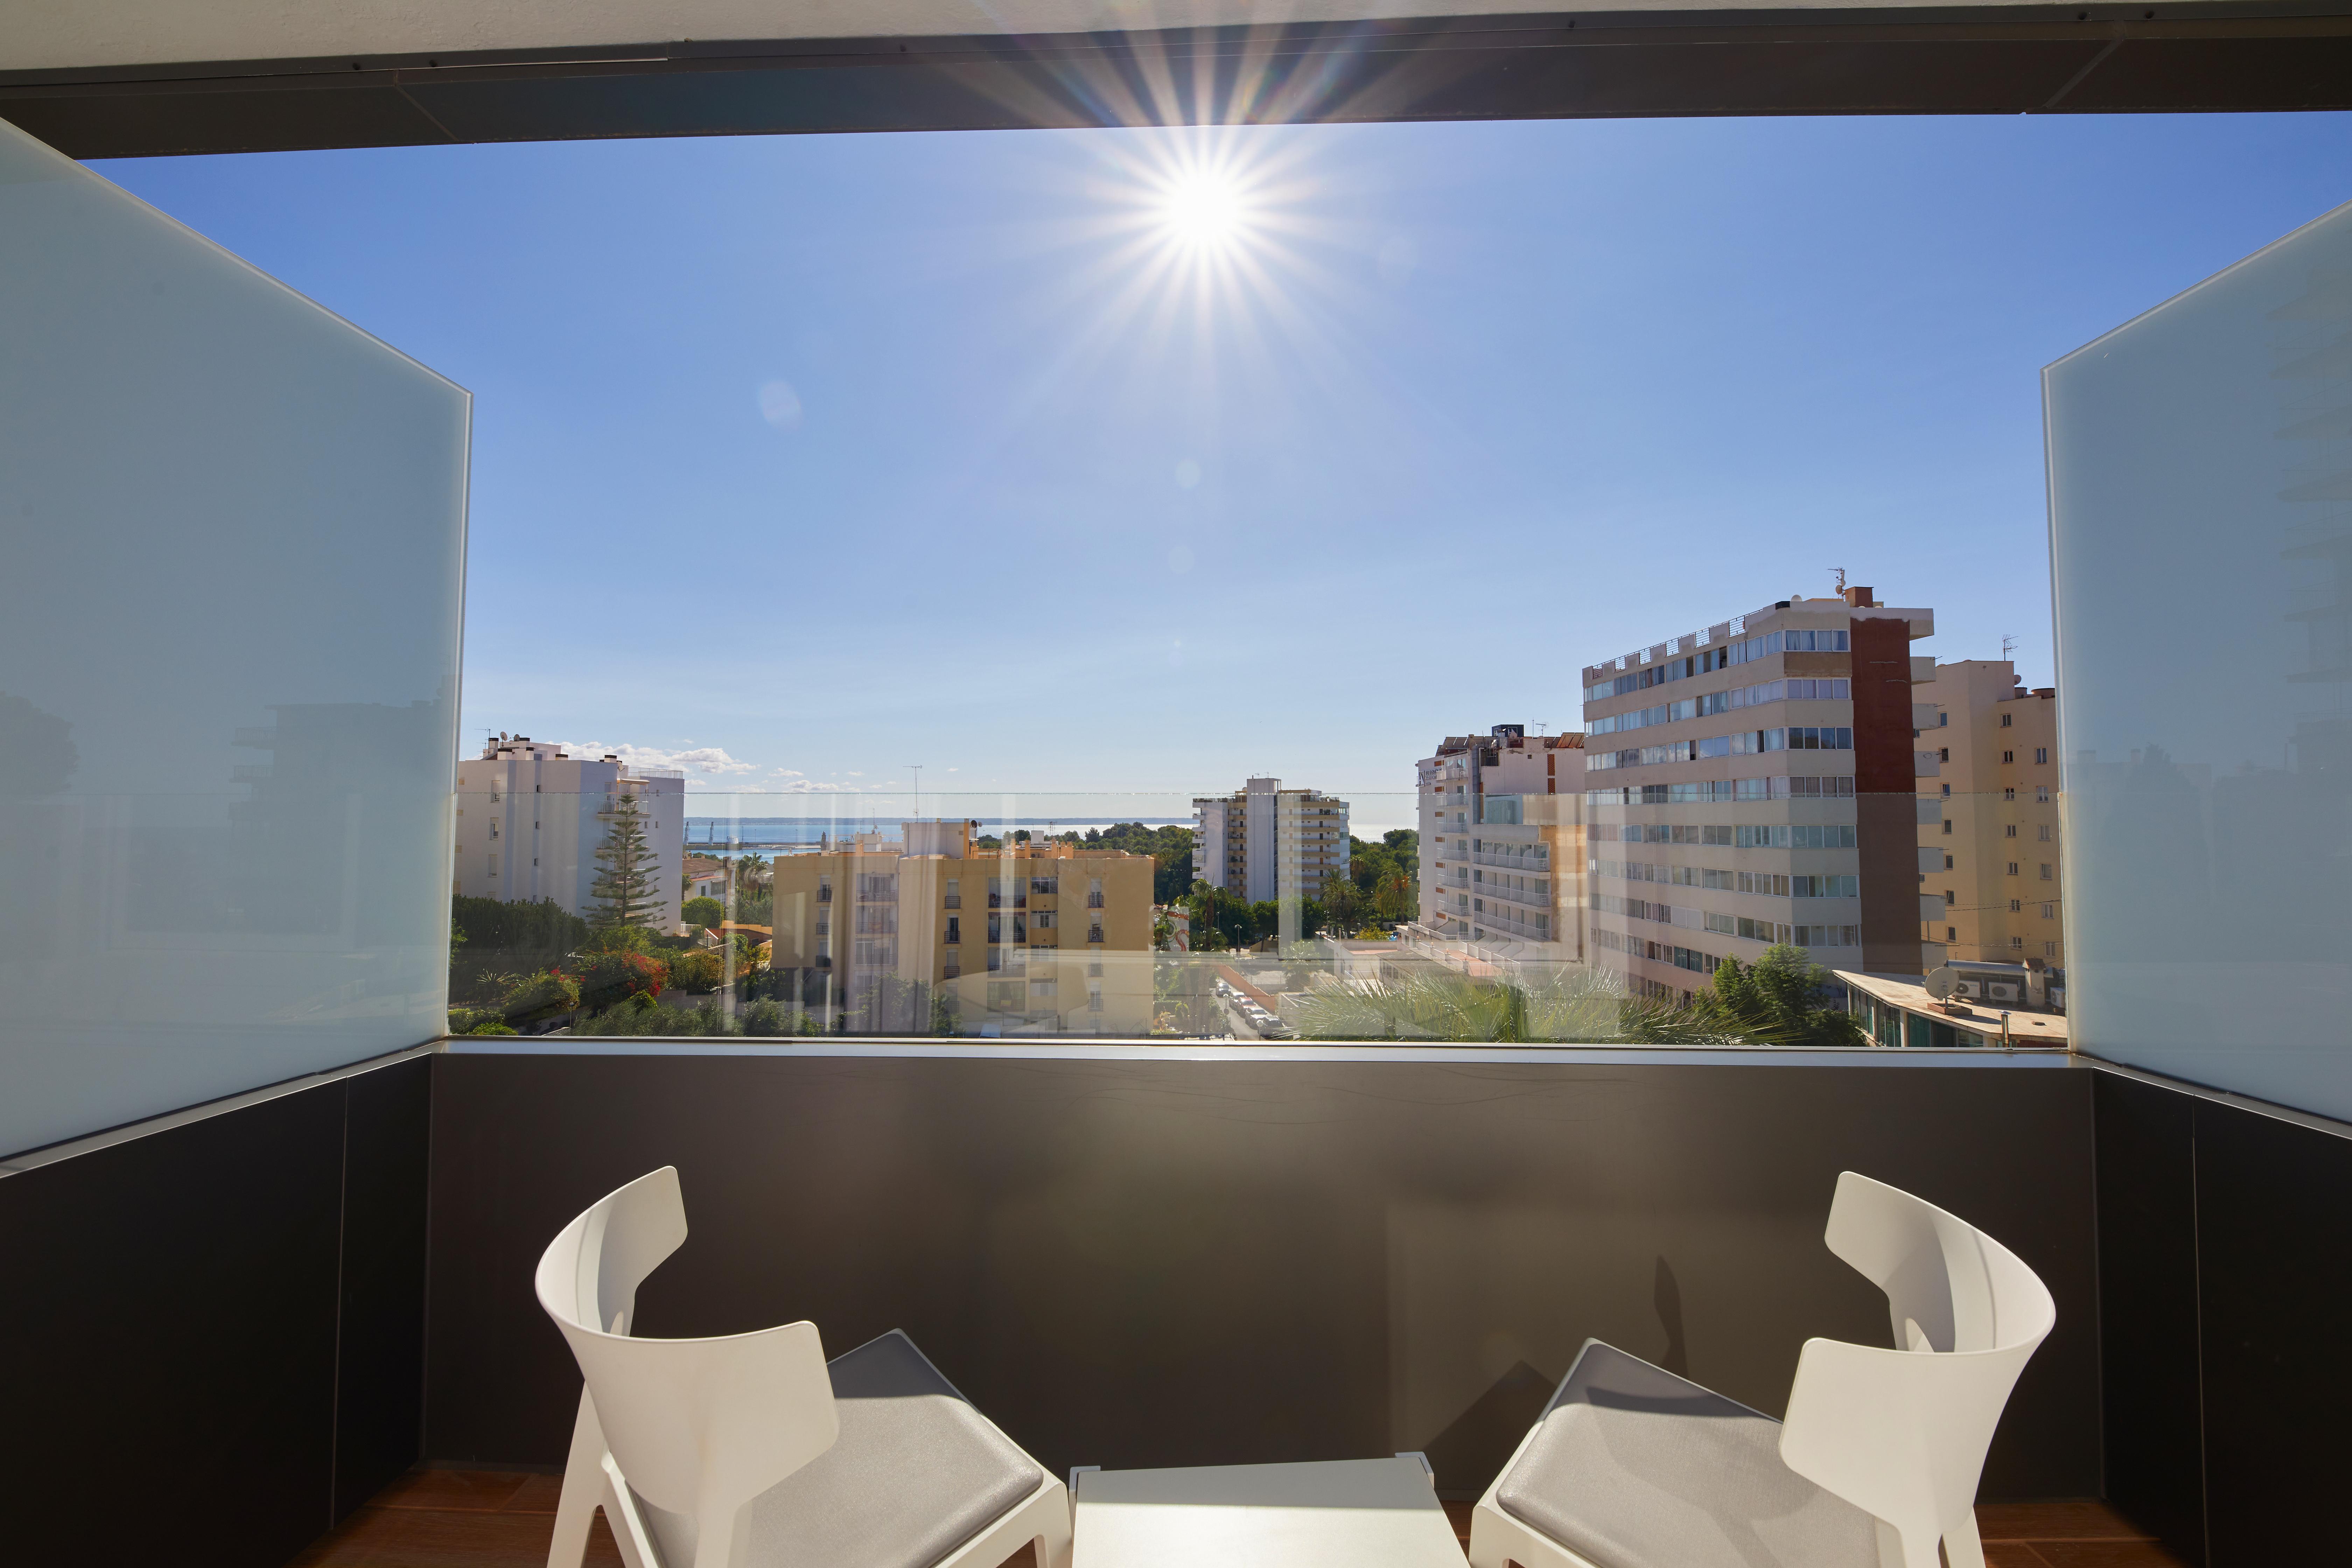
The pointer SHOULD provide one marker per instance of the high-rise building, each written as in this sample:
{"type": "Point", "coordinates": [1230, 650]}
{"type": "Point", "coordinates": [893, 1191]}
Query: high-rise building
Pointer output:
{"type": "Point", "coordinates": [873, 933]}
{"type": "Point", "coordinates": [1502, 836]}
{"type": "Point", "coordinates": [1753, 784]}
{"type": "Point", "coordinates": [530, 819]}
{"type": "Point", "coordinates": [1265, 842]}
{"type": "Point", "coordinates": [1989, 820]}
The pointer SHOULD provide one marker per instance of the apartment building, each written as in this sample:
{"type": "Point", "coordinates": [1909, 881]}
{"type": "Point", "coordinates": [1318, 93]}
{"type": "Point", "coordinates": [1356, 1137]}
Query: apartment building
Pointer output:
{"type": "Point", "coordinates": [1267, 842]}
{"type": "Point", "coordinates": [1755, 783]}
{"type": "Point", "coordinates": [1502, 829]}
{"type": "Point", "coordinates": [1047, 938]}
{"type": "Point", "coordinates": [530, 819]}
{"type": "Point", "coordinates": [1989, 826]}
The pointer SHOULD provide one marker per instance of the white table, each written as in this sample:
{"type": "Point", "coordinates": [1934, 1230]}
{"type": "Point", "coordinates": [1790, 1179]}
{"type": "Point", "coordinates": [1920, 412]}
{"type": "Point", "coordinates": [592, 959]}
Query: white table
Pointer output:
{"type": "Point", "coordinates": [1349, 1513]}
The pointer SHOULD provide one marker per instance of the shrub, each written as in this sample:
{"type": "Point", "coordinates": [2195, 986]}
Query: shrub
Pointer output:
{"type": "Point", "coordinates": [696, 970]}
{"type": "Point", "coordinates": [703, 912]}
{"type": "Point", "coordinates": [640, 1014]}
{"type": "Point", "coordinates": [765, 1019]}
{"type": "Point", "coordinates": [541, 996]}
{"type": "Point", "coordinates": [610, 978]}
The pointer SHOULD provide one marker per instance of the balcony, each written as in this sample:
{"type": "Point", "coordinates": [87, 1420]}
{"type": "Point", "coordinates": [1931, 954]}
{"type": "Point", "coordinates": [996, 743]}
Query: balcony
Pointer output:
{"type": "Point", "coordinates": [271, 1232]}
{"type": "Point", "coordinates": [951, 902]}
{"type": "Point", "coordinates": [1394, 1277]}
{"type": "Point", "coordinates": [1536, 863]}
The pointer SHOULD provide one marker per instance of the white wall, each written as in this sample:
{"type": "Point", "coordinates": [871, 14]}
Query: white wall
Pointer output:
{"type": "Point", "coordinates": [2201, 498]}
{"type": "Point", "coordinates": [233, 537]}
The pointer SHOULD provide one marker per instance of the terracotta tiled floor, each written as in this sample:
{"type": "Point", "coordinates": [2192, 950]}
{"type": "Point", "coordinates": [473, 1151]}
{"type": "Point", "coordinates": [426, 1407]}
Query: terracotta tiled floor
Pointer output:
{"type": "Point", "coordinates": [476, 1518]}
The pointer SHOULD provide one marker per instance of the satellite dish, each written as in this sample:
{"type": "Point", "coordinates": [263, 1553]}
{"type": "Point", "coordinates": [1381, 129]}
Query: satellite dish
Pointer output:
{"type": "Point", "coordinates": [1941, 983]}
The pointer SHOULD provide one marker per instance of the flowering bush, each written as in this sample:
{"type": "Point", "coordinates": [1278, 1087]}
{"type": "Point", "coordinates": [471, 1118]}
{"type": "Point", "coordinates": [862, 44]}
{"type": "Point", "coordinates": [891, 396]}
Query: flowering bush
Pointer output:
{"type": "Point", "coordinates": [611, 977]}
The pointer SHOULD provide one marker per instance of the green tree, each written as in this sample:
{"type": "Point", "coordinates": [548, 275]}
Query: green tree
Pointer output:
{"type": "Point", "coordinates": [703, 912]}
{"type": "Point", "coordinates": [626, 888]}
{"type": "Point", "coordinates": [1345, 902]}
{"type": "Point", "coordinates": [1784, 999]}
{"type": "Point", "coordinates": [1403, 844]}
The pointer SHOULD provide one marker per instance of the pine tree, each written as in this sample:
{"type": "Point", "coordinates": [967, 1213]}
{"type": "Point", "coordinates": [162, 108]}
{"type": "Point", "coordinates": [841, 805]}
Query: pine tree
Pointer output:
{"type": "Point", "coordinates": [627, 889]}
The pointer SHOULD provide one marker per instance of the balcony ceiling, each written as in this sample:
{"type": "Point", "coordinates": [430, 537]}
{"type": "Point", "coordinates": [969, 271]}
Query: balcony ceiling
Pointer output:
{"type": "Point", "coordinates": [146, 76]}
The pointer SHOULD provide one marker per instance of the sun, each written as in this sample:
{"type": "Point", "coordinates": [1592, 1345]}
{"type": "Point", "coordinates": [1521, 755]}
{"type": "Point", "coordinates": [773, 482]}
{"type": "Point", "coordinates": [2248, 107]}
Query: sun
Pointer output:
{"type": "Point", "coordinates": [1204, 209]}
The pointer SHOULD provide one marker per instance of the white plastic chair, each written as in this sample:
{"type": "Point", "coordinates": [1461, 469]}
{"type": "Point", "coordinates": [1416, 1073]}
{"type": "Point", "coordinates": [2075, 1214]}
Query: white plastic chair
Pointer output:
{"type": "Point", "coordinates": [749, 1451]}
{"type": "Point", "coordinates": [1878, 1462]}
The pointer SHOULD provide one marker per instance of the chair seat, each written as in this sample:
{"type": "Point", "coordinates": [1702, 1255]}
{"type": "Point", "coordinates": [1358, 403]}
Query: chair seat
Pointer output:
{"type": "Point", "coordinates": [1632, 1466]}
{"type": "Point", "coordinates": [916, 1472]}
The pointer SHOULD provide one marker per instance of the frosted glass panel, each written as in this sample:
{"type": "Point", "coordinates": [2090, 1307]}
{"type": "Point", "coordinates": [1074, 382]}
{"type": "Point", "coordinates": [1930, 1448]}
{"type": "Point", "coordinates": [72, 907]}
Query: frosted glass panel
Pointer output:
{"type": "Point", "coordinates": [229, 620]}
{"type": "Point", "coordinates": [2201, 463]}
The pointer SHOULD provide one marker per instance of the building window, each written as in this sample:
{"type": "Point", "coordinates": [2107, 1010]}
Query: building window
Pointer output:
{"type": "Point", "coordinates": [2005, 719]}
{"type": "Point", "coordinates": [1948, 827]}
{"type": "Point", "coordinates": [2049, 950]}
{"type": "Point", "coordinates": [2012, 868]}
{"type": "Point", "coordinates": [2046, 871]}
{"type": "Point", "coordinates": [2042, 794]}
{"type": "Point", "coordinates": [2009, 831]}
{"type": "Point", "coordinates": [494, 864]}
{"type": "Point", "coordinates": [2049, 911]}
{"type": "Point", "coordinates": [2009, 756]}
{"type": "Point", "coordinates": [1950, 898]}
{"type": "Point", "coordinates": [1952, 934]}
{"type": "Point", "coordinates": [1948, 792]}
{"type": "Point", "coordinates": [2016, 906]}
{"type": "Point", "coordinates": [2042, 755]}
{"type": "Point", "coordinates": [1943, 719]}
{"type": "Point", "coordinates": [1948, 863]}
{"type": "Point", "coordinates": [2042, 833]}
{"type": "Point", "coordinates": [1945, 754]}
{"type": "Point", "coordinates": [2009, 795]}
{"type": "Point", "coordinates": [2017, 944]}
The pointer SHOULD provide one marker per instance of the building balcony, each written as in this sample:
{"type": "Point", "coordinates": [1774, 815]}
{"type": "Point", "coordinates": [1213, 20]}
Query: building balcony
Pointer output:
{"type": "Point", "coordinates": [439, 1401]}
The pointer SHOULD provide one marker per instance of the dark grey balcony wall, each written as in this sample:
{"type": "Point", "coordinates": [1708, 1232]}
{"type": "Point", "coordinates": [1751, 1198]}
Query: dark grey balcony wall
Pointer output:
{"type": "Point", "coordinates": [1819, 60]}
{"type": "Point", "coordinates": [214, 1330]}
{"type": "Point", "coordinates": [1134, 1263]}
{"type": "Point", "coordinates": [2226, 1257]}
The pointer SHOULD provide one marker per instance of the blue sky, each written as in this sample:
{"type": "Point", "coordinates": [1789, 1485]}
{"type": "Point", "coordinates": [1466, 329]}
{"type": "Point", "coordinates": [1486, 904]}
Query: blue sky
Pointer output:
{"type": "Point", "coordinates": [802, 460]}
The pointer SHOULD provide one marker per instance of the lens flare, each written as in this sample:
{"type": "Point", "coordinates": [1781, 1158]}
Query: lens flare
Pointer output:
{"type": "Point", "coordinates": [1204, 209]}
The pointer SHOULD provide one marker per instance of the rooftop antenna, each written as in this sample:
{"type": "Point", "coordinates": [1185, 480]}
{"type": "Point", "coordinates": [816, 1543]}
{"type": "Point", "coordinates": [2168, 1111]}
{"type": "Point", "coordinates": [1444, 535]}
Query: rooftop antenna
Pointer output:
{"type": "Point", "coordinates": [2008, 647]}
{"type": "Point", "coordinates": [1840, 572]}
{"type": "Point", "coordinates": [918, 787]}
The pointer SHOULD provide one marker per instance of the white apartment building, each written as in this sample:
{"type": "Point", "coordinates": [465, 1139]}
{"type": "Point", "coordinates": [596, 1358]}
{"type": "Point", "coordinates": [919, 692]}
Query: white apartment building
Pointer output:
{"type": "Point", "coordinates": [530, 819]}
{"type": "Point", "coordinates": [1265, 842]}
{"type": "Point", "coordinates": [1501, 845]}
{"type": "Point", "coordinates": [1755, 784]}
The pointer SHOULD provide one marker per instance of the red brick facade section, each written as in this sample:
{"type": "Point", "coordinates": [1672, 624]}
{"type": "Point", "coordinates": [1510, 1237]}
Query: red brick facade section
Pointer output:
{"type": "Point", "coordinates": [1886, 787]}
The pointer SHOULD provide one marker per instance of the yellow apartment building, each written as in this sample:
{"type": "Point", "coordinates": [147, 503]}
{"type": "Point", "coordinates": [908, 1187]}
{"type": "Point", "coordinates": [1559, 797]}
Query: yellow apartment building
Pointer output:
{"type": "Point", "coordinates": [931, 930]}
{"type": "Point", "coordinates": [1994, 817]}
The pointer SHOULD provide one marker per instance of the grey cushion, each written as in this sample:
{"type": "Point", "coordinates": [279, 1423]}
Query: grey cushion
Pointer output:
{"type": "Point", "coordinates": [914, 1474]}
{"type": "Point", "coordinates": [1634, 1468]}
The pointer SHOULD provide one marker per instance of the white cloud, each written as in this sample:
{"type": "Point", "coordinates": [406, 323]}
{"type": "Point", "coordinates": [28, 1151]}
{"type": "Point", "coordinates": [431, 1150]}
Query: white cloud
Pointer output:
{"type": "Point", "coordinates": [706, 760]}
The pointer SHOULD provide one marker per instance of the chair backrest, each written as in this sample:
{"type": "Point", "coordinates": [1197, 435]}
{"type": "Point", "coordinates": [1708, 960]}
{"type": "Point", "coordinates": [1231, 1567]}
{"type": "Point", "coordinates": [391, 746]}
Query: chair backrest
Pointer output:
{"type": "Point", "coordinates": [1902, 1432]}
{"type": "Point", "coordinates": [590, 1271]}
{"type": "Point", "coordinates": [697, 1427]}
